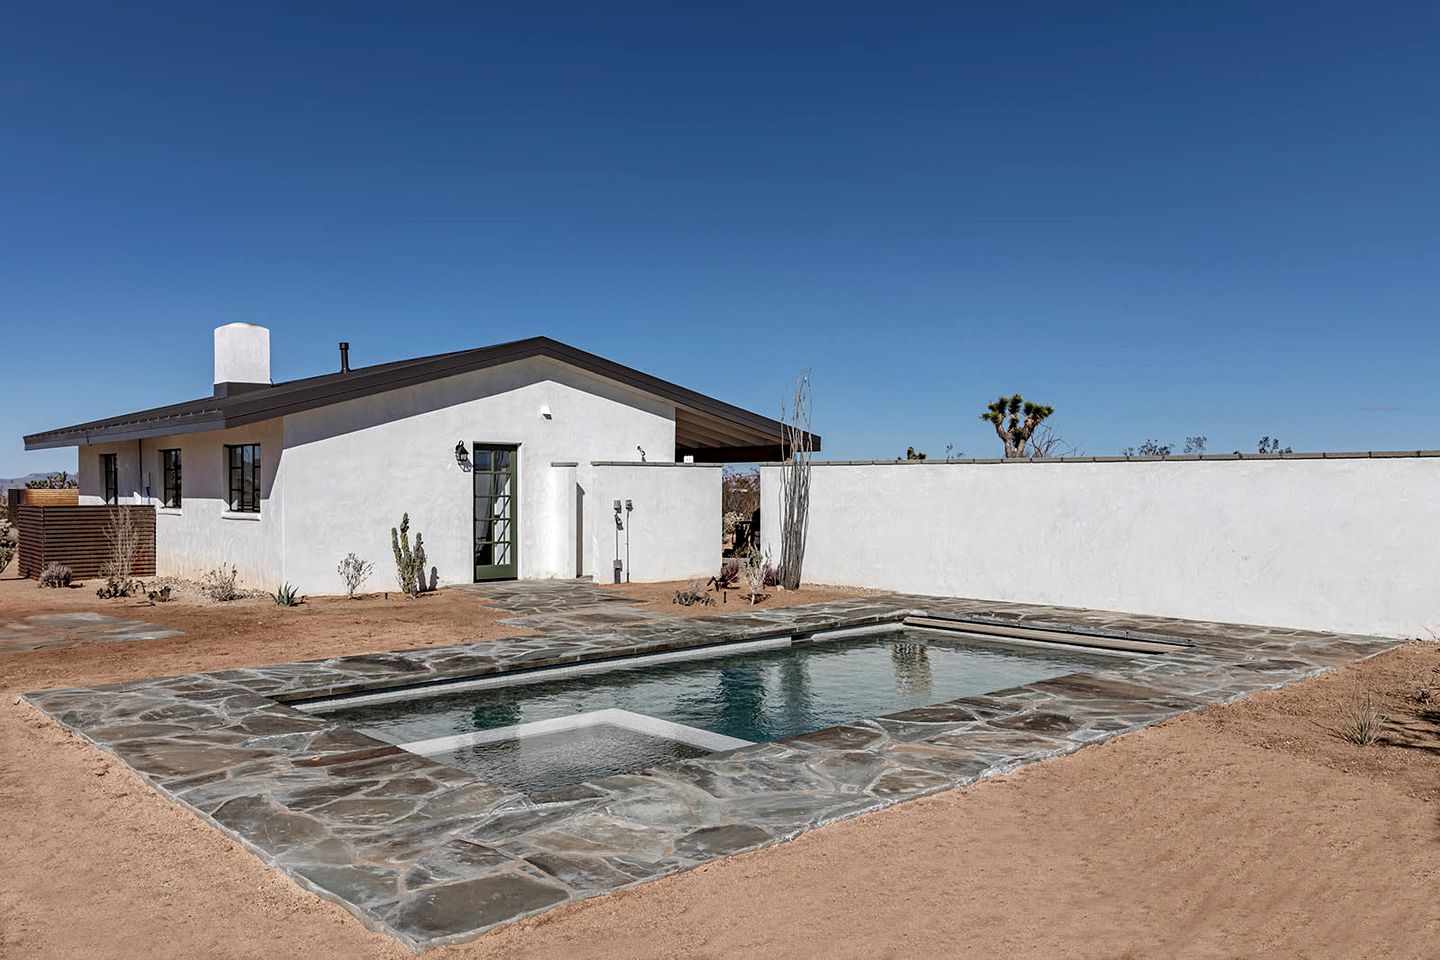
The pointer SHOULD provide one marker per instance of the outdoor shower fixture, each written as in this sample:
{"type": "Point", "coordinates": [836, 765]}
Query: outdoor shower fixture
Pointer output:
{"type": "Point", "coordinates": [619, 525]}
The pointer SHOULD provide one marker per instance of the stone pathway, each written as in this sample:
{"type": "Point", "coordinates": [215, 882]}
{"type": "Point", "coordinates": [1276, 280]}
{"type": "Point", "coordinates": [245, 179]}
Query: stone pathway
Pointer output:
{"type": "Point", "coordinates": [52, 631]}
{"type": "Point", "coordinates": [543, 596]}
{"type": "Point", "coordinates": [430, 855]}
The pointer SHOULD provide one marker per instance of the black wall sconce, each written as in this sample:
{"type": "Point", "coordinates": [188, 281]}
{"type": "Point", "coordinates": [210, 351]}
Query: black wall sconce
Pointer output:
{"type": "Point", "coordinates": [462, 456]}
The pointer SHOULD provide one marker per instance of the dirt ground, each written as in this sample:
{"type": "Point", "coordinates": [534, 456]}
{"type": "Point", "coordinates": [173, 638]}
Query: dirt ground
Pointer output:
{"type": "Point", "coordinates": [255, 631]}
{"type": "Point", "coordinates": [1249, 830]}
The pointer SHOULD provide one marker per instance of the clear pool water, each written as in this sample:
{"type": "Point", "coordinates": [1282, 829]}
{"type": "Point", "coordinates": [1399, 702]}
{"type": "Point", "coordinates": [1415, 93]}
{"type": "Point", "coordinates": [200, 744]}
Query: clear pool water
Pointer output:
{"type": "Point", "coordinates": [755, 696]}
{"type": "Point", "coordinates": [566, 756]}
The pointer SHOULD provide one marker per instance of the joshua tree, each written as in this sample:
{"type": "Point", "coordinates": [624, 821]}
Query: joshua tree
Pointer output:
{"type": "Point", "coordinates": [1023, 417]}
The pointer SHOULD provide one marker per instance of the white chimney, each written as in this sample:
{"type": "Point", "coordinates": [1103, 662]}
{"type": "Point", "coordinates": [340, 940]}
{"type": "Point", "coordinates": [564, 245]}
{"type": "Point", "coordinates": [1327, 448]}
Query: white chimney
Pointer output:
{"type": "Point", "coordinates": [242, 356]}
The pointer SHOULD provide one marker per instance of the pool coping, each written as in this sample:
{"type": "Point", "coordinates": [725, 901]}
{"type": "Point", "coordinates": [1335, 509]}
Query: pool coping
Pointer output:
{"type": "Point", "coordinates": [430, 855]}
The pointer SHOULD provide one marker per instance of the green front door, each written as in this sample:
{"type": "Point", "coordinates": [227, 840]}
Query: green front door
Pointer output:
{"type": "Point", "coordinates": [497, 541]}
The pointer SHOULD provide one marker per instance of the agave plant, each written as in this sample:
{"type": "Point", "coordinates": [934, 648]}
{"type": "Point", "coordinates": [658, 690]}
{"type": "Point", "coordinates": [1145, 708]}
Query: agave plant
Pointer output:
{"type": "Point", "coordinates": [286, 596]}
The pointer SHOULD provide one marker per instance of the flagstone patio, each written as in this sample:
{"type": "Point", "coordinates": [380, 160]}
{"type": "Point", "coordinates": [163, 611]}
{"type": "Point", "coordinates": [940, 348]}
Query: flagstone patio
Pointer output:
{"type": "Point", "coordinates": [543, 596]}
{"type": "Point", "coordinates": [53, 631]}
{"type": "Point", "coordinates": [429, 854]}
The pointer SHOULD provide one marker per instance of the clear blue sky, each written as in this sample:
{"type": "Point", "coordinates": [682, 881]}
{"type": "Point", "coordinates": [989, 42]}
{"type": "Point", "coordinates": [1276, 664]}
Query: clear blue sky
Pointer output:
{"type": "Point", "coordinates": [1163, 219]}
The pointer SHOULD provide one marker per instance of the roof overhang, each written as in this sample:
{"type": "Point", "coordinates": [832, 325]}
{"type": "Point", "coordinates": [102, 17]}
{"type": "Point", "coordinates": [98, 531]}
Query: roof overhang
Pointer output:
{"type": "Point", "coordinates": [708, 429]}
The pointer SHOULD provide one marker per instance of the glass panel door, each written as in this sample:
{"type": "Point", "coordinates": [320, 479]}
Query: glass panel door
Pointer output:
{"type": "Point", "coordinates": [496, 509]}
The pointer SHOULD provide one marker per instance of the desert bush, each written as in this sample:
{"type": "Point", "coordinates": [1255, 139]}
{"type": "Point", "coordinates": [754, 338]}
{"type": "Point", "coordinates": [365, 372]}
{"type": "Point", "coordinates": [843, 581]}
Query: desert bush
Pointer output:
{"type": "Point", "coordinates": [7, 544]}
{"type": "Point", "coordinates": [729, 521]}
{"type": "Point", "coordinates": [116, 587]}
{"type": "Point", "coordinates": [773, 574]}
{"type": "Point", "coordinates": [1362, 722]}
{"type": "Point", "coordinates": [221, 584]}
{"type": "Point", "coordinates": [740, 493]}
{"type": "Point", "coordinates": [55, 481]}
{"type": "Point", "coordinates": [354, 572]}
{"type": "Point", "coordinates": [286, 596]}
{"type": "Point", "coordinates": [122, 537]}
{"type": "Point", "coordinates": [693, 594]}
{"type": "Point", "coordinates": [160, 595]}
{"type": "Point", "coordinates": [410, 561]}
{"type": "Point", "coordinates": [55, 575]}
{"type": "Point", "coordinates": [1268, 444]}
{"type": "Point", "coordinates": [755, 572]}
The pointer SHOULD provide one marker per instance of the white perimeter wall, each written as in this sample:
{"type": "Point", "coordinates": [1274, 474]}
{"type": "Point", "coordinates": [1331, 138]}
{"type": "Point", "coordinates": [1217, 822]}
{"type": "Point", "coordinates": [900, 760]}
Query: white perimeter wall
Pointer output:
{"type": "Point", "coordinates": [1350, 545]}
{"type": "Point", "coordinates": [674, 529]}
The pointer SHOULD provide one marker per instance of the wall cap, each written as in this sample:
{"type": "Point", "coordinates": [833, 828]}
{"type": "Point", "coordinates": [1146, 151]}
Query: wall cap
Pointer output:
{"type": "Point", "coordinates": [650, 463]}
{"type": "Point", "coordinates": [1174, 457]}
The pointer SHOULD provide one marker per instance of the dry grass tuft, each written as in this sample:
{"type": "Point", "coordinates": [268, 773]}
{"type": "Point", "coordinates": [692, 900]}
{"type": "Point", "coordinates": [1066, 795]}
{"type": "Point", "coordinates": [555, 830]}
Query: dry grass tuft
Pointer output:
{"type": "Point", "coordinates": [1363, 721]}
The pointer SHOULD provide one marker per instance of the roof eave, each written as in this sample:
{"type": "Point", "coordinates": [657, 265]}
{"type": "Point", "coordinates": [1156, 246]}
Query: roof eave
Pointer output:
{"type": "Point", "coordinates": [54, 439]}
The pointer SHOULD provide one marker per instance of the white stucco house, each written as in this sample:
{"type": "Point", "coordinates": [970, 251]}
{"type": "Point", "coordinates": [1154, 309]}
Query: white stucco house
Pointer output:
{"type": "Point", "coordinates": [509, 459]}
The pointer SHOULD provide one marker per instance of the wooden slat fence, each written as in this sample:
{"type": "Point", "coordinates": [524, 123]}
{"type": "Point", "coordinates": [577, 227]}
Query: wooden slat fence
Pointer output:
{"type": "Point", "coordinates": [76, 537]}
{"type": "Point", "coordinates": [40, 496]}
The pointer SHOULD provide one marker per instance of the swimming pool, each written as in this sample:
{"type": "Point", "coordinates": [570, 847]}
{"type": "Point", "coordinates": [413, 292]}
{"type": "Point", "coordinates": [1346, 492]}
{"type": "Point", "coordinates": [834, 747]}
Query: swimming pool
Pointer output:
{"type": "Point", "coordinates": [562, 726]}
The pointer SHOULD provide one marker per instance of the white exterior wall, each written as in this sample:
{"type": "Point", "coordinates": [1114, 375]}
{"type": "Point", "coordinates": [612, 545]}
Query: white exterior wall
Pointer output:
{"type": "Point", "coordinates": [202, 534]}
{"type": "Point", "coordinates": [353, 468]}
{"type": "Point", "coordinates": [1349, 545]}
{"type": "Point", "coordinates": [674, 529]}
{"type": "Point", "coordinates": [338, 478]}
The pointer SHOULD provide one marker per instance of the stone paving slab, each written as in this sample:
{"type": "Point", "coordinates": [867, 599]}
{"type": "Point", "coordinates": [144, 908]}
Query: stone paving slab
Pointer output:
{"type": "Point", "coordinates": [429, 854]}
{"type": "Point", "coordinates": [53, 631]}
{"type": "Point", "coordinates": [543, 596]}
{"type": "Point", "coordinates": [586, 618]}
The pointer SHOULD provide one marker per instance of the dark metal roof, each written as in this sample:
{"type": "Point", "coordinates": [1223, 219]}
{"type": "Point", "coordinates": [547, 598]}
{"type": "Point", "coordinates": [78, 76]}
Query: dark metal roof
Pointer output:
{"type": "Point", "coordinates": [701, 424]}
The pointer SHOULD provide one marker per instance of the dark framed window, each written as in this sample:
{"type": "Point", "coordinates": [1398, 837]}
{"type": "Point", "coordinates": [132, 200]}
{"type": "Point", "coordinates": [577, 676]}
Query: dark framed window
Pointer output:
{"type": "Point", "coordinates": [243, 462]}
{"type": "Point", "coordinates": [111, 471]}
{"type": "Point", "coordinates": [170, 472]}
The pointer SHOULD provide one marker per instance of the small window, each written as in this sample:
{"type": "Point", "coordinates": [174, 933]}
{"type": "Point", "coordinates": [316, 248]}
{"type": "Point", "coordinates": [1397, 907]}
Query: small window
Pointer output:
{"type": "Point", "coordinates": [112, 477]}
{"type": "Point", "coordinates": [244, 468]}
{"type": "Point", "coordinates": [170, 470]}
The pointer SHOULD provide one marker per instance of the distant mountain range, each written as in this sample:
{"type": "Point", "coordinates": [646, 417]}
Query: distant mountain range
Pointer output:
{"type": "Point", "coordinates": [21, 481]}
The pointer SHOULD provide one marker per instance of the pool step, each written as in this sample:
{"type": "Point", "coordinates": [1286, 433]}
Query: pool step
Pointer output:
{"type": "Point", "coordinates": [992, 629]}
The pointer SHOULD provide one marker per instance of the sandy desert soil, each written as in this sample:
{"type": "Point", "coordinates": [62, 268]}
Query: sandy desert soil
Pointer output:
{"type": "Point", "coordinates": [1249, 830]}
{"type": "Point", "coordinates": [255, 631]}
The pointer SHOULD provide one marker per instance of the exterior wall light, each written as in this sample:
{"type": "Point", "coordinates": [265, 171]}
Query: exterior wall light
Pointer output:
{"type": "Point", "coordinates": [462, 456]}
{"type": "Point", "coordinates": [545, 411]}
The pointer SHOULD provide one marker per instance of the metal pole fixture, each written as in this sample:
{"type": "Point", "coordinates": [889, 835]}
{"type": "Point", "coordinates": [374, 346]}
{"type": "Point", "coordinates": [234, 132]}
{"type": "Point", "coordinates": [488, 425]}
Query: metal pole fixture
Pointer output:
{"type": "Point", "coordinates": [628, 507]}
